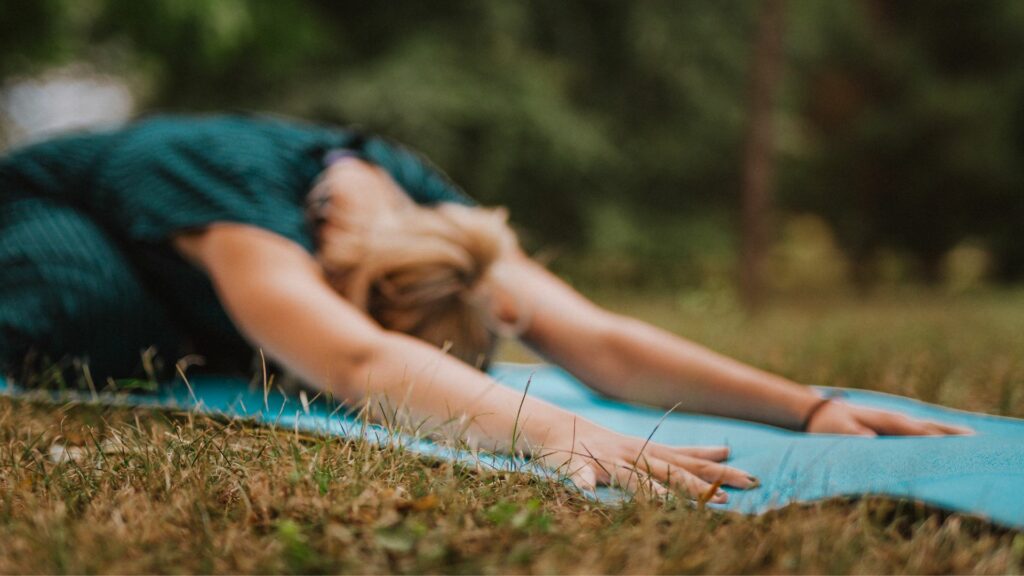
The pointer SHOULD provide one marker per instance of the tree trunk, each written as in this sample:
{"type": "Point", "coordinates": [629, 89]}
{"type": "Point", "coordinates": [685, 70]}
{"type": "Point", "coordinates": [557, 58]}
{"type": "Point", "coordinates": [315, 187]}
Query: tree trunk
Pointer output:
{"type": "Point", "coordinates": [759, 153]}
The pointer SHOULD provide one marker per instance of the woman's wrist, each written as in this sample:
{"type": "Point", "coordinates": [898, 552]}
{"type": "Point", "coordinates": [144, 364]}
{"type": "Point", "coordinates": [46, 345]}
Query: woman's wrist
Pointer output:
{"type": "Point", "coordinates": [801, 407]}
{"type": "Point", "coordinates": [812, 412]}
{"type": "Point", "coordinates": [820, 400]}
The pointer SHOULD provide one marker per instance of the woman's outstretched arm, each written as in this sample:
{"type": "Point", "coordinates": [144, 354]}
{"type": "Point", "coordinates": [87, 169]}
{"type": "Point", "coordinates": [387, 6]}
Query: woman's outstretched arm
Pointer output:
{"type": "Point", "coordinates": [629, 359]}
{"type": "Point", "coordinates": [277, 296]}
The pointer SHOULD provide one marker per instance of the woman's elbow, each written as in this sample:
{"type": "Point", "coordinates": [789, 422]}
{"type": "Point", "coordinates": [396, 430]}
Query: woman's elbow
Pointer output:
{"type": "Point", "coordinates": [352, 365]}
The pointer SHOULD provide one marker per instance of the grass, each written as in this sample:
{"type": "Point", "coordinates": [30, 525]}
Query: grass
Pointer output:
{"type": "Point", "coordinates": [86, 489]}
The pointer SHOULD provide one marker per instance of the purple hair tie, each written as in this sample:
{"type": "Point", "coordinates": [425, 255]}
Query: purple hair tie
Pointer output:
{"type": "Point", "coordinates": [339, 154]}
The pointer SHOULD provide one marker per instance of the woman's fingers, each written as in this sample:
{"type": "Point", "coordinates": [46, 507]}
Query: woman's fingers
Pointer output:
{"type": "Point", "coordinates": [896, 424]}
{"type": "Point", "coordinates": [928, 428]}
{"type": "Point", "coordinates": [704, 462]}
{"type": "Point", "coordinates": [584, 477]}
{"type": "Point", "coordinates": [700, 486]}
{"type": "Point", "coordinates": [899, 425]}
{"type": "Point", "coordinates": [654, 468]}
{"type": "Point", "coordinates": [953, 429]}
{"type": "Point", "coordinates": [711, 471]}
{"type": "Point", "coordinates": [931, 428]}
{"type": "Point", "coordinates": [854, 427]}
{"type": "Point", "coordinates": [636, 481]}
{"type": "Point", "coordinates": [713, 453]}
{"type": "Point", "coordinates": [651, 477]}
{"type": "Point", "coordinates": [858, 429]}
{"type": "Point", "coordinates": [676, 476]}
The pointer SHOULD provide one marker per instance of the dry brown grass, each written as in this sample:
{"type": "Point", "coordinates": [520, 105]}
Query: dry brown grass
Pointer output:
{"type": "Point", "coordinates": [86, 489]}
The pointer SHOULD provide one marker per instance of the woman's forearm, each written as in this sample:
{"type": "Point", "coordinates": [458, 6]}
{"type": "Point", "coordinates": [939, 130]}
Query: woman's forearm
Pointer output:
{"type": "Point", "coordinates": [636, 361]}
{"type": "Point", "coordinates": [431, 391]}
{"type": "Point", "coordinates": [632, 360]}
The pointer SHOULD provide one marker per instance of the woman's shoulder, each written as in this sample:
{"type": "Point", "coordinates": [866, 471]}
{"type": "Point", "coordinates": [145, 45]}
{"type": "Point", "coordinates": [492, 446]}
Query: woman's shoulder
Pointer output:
{"type": "Point", "coordinates": [169, 173]}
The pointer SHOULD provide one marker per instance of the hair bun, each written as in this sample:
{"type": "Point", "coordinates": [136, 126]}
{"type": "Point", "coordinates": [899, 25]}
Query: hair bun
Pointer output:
{"type": "Point", "coordinates": [423, 271]}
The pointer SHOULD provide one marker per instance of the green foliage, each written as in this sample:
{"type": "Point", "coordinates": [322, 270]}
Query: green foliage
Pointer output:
{"type": "Point", "coordinates": [527, 517]}
{"type": "Point", "coordinates": [297, 554]}
{"type": "Point", "coordinates": [901, 123]}
{"type": "Point", "coordinates": [912, 118]}
{"type": "Point", "coordinates": [32, 33]}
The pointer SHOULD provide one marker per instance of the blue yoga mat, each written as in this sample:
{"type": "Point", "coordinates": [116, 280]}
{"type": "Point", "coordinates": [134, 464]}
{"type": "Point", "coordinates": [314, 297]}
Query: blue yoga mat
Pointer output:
{"type": "Point", "coordinates": [981, 474]}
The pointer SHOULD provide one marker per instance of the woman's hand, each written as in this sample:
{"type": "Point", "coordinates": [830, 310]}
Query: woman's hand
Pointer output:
{"type": "Point", "coordinates": [837, 417]}
{"type": "Point", "coordinates": [603, 457]}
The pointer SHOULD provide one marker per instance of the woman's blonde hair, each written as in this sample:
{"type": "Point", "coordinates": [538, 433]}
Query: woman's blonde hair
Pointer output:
{"type": "Point", "coordinates": [425, 271]}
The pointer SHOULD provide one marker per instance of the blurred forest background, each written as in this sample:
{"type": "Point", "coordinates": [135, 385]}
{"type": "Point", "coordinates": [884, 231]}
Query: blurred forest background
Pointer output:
{"type": "Point", "coordinates": [617, 132]}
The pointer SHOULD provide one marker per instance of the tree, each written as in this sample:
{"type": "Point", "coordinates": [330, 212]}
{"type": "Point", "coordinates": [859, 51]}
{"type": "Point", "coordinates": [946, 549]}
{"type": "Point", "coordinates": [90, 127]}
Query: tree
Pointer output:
{"type": "Point", "coordinates": [758, 160]}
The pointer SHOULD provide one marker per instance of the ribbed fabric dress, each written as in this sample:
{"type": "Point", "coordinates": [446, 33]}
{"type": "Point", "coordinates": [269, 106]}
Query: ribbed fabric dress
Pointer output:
{"type": "Point", "coordinates": [86, 265]}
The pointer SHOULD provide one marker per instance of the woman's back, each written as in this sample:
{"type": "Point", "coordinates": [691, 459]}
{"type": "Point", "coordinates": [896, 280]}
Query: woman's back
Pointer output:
{"type": "Point", "coordinates": [161, 175]}
{"type": "Point", "coordinates": [140, 185]}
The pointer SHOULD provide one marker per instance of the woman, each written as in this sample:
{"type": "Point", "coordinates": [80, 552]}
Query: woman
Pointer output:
{"type": "Point", "coordinates": [362, 270]}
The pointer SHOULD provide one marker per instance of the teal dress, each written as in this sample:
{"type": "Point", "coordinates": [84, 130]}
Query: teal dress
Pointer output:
{"type": "Point", "coordinates": [87, 271]}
